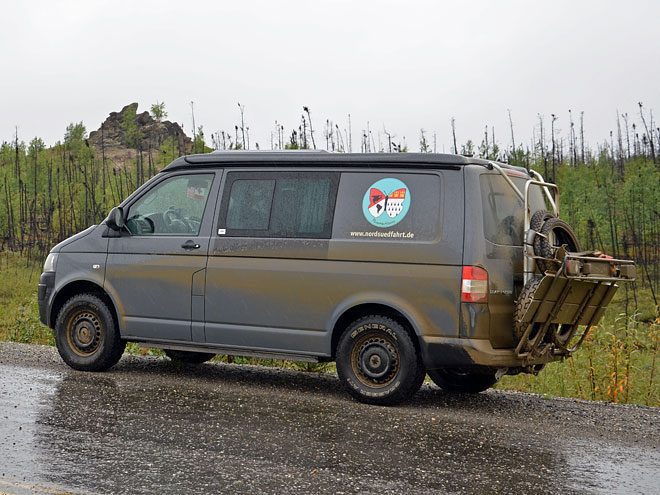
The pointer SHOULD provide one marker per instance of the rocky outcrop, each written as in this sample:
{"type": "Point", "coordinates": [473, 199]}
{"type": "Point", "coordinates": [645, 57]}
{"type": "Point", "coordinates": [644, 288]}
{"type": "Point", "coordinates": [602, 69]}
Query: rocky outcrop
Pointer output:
{"type": "Point", "coordinates": [151, 134]}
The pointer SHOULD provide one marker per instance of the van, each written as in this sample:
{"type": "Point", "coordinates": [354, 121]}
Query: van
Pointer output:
{"type": "Point", "coordinates": [392, 265]}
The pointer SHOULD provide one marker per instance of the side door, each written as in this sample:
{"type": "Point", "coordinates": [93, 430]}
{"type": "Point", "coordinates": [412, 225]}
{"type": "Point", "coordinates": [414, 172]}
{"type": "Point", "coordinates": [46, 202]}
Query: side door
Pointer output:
{"type": "Point", "coordinates": [267, 268]}
{"type": "Point", "coordinates": [153, 268]}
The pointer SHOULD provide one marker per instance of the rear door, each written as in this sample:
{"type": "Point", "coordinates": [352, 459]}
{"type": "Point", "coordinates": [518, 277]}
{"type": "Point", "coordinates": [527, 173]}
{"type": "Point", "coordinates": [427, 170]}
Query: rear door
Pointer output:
{"type": "Point", "coordinates": [152, 266]}
{"type": "Point", "coordinates": [497, 244]}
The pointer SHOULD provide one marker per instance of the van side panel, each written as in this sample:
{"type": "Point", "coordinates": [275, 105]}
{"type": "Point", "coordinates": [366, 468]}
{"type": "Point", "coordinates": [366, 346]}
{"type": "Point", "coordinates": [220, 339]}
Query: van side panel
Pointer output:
{"type": "Point", "coordinates": [292, 304]}
{"type": "Point", "coordinates": [287, 294]}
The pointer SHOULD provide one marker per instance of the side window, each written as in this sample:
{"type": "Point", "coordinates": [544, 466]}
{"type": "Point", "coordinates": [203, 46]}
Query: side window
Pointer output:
{"type": "Point", "coordinates": [250, 202]}
{"type": "Point", "coordinates": [279, 204]}
{"type": "Point", "coordinates": [173, 207]}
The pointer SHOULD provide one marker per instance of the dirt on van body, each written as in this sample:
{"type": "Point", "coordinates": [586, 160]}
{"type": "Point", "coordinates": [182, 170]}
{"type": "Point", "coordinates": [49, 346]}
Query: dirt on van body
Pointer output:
{"type": "Point", "coordinates": [151, 426]}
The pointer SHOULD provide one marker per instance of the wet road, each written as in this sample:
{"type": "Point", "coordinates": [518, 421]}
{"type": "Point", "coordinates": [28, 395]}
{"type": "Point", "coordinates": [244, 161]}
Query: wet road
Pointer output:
{"type": "Point", "coordinates": [149, 426]}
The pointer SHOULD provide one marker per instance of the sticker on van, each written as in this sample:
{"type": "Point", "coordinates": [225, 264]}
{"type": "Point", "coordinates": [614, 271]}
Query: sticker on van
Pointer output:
{"type": "Point", "coordinates": [386, 202]}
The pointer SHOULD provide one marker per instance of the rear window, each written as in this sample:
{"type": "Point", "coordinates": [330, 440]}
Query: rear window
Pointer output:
{"type": "Point", "coordinates": [503, 210]}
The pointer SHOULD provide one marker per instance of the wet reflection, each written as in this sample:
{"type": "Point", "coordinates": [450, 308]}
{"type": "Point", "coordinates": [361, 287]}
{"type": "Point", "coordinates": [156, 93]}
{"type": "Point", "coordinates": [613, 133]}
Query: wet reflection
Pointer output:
{"type": "Point", "coordinates": [203, 428]}
{"type": "Point", "coordinates": [23, 391]}
{"type": "Point", "coordinates": [149, 426]}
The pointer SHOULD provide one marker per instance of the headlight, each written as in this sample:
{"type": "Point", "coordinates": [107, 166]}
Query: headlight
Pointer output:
{"type": "Point", "coordinates": [50, 263]}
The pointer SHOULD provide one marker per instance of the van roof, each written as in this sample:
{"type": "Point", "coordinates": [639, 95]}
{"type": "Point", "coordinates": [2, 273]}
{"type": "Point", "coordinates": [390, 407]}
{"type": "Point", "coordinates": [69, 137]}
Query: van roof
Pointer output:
{"type": "Point", "coordinates": [308, 158]}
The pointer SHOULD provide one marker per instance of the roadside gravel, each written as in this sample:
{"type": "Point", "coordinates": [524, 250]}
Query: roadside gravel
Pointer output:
{"type": "Point", "coordinates": [150, 426]}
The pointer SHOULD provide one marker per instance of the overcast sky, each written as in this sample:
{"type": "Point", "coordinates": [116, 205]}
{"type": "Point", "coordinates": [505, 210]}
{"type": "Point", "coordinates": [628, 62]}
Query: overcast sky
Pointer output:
{"type": "Point", "coordinates": [398, 65]}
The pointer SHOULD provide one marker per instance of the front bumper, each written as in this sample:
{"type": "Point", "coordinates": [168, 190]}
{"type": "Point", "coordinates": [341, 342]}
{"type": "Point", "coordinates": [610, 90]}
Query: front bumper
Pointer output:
{"type": "Point", "coordinates": [46, 285]}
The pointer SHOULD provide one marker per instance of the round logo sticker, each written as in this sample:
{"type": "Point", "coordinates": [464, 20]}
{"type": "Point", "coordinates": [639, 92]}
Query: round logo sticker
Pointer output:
{"type": "Point", "coordinates": [386, 202]}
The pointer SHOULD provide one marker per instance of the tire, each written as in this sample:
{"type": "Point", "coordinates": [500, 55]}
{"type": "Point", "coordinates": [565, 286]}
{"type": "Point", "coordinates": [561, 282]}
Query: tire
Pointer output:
{"type": "Point", "coordinates": [377, 361]}
{"type": "Point", "coordinates": [86, 335]}
{"type": "Point", "coordinates": [536, 223]}
{"type": "Point", "coordinates": [452, 380]}
{"type": "Point", "coordinates": [558, 233]}
{"type": "Point", "coordinates": [539, 218]}
{"type": "Point", "coordinates": [188, 357]}
{"type": "Point", "coordinates": [522, 304]}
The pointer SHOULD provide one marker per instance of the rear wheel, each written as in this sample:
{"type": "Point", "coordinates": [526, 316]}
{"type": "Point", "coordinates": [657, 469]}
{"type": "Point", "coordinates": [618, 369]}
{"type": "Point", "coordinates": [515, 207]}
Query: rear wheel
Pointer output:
{"type": "Point", "coordinates": [189, 357]}
{"type": "Point", "coordinates": [86, 335]}
{"type": "Point", "coordinates": [377, 361]}
{"type": "Point", "coordinates": [452, 380]}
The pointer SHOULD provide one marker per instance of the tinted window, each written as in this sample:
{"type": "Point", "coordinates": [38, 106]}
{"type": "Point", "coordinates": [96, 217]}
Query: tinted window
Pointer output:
{"type": "Point", "coordinates": [502, 209]}
{"type": "Point", "coordinates": [300, 207]}
{"type": "Point", "coordinates": [249, 204]}
{"type": "Point", "coordinates": [175, 206]}
{"type": "Point", "coordinates": [286, 204]}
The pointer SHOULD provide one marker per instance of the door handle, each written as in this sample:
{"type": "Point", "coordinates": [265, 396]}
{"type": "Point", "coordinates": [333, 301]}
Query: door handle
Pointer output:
{"type": "Point", "coordinates": [190, 245]}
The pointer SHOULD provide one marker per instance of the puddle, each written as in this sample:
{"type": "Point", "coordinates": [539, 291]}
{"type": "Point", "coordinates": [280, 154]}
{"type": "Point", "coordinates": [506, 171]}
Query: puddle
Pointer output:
{"type": "Point", "coordinates": [614, 469]}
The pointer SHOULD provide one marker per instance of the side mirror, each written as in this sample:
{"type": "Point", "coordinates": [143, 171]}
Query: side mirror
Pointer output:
{"type": "Point", "coordinates": [115, 219]}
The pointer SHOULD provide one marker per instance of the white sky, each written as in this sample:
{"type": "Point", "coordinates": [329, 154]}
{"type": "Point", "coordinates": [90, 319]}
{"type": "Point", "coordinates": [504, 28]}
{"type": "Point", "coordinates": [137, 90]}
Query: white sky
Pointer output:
{"type": "Point", "coordinates": [399, 65]}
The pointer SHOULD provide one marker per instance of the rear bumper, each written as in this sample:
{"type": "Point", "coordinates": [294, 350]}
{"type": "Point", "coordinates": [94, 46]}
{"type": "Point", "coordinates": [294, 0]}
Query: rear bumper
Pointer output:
{"type": "Point", "coordinates": [46, 284]}
{"type": "Point", "coordinates": [449, 352]}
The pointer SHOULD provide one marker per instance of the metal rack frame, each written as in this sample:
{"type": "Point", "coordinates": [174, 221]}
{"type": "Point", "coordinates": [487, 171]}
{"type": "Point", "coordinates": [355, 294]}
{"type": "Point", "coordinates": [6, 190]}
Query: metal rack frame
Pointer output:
{"type": "Point", "coordinates": [545, 346]}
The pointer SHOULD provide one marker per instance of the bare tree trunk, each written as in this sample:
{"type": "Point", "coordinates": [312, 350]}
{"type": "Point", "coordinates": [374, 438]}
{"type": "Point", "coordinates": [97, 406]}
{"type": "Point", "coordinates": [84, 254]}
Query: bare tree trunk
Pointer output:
{"type": "Point", "coordinates": [582, 137]}
{"type": "Point", "coordinates": [554, 117]}
{"type": "Point", "coordinates": [648, 134]}
{"type": "Point", "coordinates": [103, 166]}
{"type": "Point", "coordinates": [192, 110]}
{"type": "Point", "coordinates": [311, 130]}
{"type": "Point", "coordinates": [513, 139]}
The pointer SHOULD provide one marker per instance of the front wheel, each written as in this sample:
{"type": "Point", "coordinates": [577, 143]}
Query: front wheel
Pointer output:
{"type": "Point", "coordinates": [377, 361]}
{"type": "Point", "coordinates": [86, 335]}
{"type": "Point", "coordinates": [452, 380]}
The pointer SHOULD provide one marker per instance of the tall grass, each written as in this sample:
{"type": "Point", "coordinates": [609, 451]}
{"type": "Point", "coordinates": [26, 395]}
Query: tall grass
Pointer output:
{"type": "Point", "coordinates": [617, 363]}
{"type": "Point", "coordinates": [19, 312]}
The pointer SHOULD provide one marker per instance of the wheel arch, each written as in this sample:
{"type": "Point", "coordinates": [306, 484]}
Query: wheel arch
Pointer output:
{"type": "Point", "coordinates": [356, 311]}
{"type": "Point", "coordinates": [80, 287]}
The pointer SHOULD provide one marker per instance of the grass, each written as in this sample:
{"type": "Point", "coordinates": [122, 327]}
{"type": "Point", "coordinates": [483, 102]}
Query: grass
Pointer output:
{"type": "Point", "coordinates": [619, 361]}
{"type": "Point", "coordinates": [19, 312]}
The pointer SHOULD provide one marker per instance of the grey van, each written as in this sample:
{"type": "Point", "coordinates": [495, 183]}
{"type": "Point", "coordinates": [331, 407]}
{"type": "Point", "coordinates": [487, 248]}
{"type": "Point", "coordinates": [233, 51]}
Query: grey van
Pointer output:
{"type": "Point", "coordinates": [392, 265]}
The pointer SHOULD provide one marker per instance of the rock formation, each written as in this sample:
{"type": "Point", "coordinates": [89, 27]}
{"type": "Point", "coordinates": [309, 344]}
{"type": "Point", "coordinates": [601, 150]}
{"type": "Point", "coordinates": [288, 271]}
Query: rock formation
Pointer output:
{"type": "Point", "coordinates": [112, 134]}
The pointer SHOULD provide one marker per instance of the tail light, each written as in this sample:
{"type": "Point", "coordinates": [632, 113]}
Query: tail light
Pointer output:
{"type": "Point", "coordinates": [474, 285]}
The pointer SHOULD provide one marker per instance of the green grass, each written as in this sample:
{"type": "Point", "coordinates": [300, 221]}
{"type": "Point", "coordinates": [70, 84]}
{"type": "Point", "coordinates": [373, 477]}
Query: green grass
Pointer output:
{"type": "Point", "coordinates": [619, 362]}
{"type": "Point", "coordinates": [19, 312]}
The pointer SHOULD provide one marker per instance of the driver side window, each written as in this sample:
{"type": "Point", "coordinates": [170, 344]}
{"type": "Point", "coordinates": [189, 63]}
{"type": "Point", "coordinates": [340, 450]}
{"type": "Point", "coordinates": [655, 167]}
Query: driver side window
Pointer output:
{"type": "Point", "coordinates": [173, 207]}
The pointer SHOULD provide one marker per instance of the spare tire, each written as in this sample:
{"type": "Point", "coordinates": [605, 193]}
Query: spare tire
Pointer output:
{"type": "Point", "coordinates": [539, 218]}
{"type": "Point", "coordinates": [554, 233]}
{"type": "Point", "coordinates": [561, 332]}
{"type": "Point", "coordinates": [522, 304]}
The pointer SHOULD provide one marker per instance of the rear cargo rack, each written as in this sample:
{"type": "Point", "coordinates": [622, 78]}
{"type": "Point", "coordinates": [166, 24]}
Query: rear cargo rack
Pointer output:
{"type": "Point", "coordinates": [565, 300]}
{"type": "Point", "coordinates": [559, 301]}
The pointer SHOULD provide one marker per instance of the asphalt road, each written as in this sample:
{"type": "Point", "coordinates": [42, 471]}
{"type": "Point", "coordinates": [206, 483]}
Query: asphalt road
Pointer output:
{"type": "Point", "coordinates": [150, 426]}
